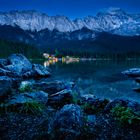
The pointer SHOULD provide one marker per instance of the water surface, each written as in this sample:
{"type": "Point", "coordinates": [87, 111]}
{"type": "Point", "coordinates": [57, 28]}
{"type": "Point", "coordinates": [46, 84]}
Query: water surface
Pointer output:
{"type": "Point", "coordinates": [101, 78]}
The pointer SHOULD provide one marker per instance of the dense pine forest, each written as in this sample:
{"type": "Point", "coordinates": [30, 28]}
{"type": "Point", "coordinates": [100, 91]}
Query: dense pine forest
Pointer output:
{"type": "Point", "coordinates": [9, 47]}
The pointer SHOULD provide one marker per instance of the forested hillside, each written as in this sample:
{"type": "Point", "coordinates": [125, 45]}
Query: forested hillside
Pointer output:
{"type": "Point", "coordinates": [9, 47]}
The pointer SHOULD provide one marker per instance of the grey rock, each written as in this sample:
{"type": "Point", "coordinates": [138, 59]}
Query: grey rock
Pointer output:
{"type": "Point", "coordinates": [22, 98]}
{"type": "Point", "coordinates": [5, 87]}
{"type": "Point", "coordinates": [92, 104]}
{"type": "Point", "coordinates": [18, 64]}
{"type": "Point", "coordinates": [37, 71]}
{"type": "Point", "coordinates": [51, 87]}
{"type": "Point", "coordinates": [68, 122]}
{"type": "Point", "coordinates": [60, 98]}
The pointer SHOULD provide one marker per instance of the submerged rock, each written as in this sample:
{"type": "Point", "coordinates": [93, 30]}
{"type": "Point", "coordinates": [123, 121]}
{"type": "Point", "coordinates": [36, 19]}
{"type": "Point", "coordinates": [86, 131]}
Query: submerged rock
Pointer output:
{"type": "Point", "coordinates": [133, 72]}
{"type": "Point", "coordinates": [68, 122]}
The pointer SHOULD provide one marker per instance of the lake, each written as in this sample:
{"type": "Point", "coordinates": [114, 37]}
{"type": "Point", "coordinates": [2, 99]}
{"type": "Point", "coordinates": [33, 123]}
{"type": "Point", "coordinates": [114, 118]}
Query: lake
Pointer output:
{"type": "Point", "coordinates": [100, 78]}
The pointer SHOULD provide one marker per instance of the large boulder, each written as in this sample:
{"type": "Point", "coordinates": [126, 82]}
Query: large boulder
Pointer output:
{"type": "Point", "coordinates": [32, 103]}
{"type": "Point", "coordinates": [67, 123]}
{"type": "Point", "coordinates": [18, 64]}
{"type": "Point", "coordinates": [60, 98]}
{"type": "Point", "coordinates": [37, 71]}
{"type": "Point", "coordinates": [22, 98]}
{"type": "Point", "coordinates": [92, 104]}
{"type": "Point", "coordinates": [52, 87]}
{"type": "Point", "coordinates": [133, 72]}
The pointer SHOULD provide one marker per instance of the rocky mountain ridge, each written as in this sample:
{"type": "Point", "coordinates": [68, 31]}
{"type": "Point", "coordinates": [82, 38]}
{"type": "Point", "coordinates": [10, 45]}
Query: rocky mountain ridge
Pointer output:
{"type": "Point", "coordinates": [113, 20]}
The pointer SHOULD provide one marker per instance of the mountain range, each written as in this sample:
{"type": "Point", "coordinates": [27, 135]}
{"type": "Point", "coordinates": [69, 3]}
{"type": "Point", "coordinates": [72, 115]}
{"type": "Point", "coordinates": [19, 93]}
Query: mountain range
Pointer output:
{"type": "Point", "coordinates": [42, 30]}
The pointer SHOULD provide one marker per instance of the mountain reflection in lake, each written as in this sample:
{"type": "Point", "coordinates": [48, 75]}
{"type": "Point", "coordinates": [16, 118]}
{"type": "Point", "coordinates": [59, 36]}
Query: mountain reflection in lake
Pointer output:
{"type": "Point", "coordinates": [101, 78]}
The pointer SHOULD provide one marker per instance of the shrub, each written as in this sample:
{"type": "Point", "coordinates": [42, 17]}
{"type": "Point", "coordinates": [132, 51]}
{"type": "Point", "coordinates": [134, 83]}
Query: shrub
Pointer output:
{"type": "Point", "coordinates": [33, 107]}
{"type": "Point", "coordinates": [124, 115]}
{"type": "Point", "coordinates": [75, 97]}
{"type": "Point", "coordinates": [25, 87]}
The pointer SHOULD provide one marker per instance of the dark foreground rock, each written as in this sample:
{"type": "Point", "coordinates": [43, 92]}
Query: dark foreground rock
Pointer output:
{"type": "Point", "coordinates": [38, 96]}
{"type": "Point", "coordinates": [60, 98]}
{"type": "Point", "coordinates": [52, 87]}
{"type": "Point", "coordinates": [5, 87]}
{"type": "Point", "coordinates": [119, 120]}
{"type": "Point", "coordinates": [68, 122]}
{"type": "Point", "coordinates": [92, 104]}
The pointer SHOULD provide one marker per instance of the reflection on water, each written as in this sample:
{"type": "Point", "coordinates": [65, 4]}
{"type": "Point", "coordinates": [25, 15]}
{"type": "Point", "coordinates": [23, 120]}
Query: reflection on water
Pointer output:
{"type": "Point", "coordinates": [101, 78]}
{"type": "Point", "coordinates": [50, 62]}
{"type": "Point", "coordinates": [66, 60]}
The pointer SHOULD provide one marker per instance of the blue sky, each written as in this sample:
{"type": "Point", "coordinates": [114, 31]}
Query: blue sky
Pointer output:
{"type": "Point", "coordinates": [70, 8]}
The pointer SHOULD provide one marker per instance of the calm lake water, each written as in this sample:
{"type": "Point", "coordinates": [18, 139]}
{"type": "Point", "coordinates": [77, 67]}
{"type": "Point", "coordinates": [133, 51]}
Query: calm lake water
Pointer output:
{"type": "Point", "coordinates": [101, 78]}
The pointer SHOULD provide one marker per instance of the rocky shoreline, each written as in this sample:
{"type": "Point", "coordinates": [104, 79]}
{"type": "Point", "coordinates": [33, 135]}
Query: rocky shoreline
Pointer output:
{"type": "Point", "coordinates": [33, 106]}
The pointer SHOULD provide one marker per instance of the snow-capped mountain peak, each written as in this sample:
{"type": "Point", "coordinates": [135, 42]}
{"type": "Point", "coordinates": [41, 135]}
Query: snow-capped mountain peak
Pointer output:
{"type": "Point", "coordinates": [109, 20]}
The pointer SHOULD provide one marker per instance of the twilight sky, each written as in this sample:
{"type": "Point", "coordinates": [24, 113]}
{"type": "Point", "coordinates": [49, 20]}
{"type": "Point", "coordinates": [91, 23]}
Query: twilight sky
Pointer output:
{"type": "Point", "coordinates": [70, 8]}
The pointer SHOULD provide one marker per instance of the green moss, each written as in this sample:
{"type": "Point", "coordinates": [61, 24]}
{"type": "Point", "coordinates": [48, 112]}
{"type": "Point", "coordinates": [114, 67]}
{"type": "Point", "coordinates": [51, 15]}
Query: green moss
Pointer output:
{"type": "Point", "coordinates": [125, 115]}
